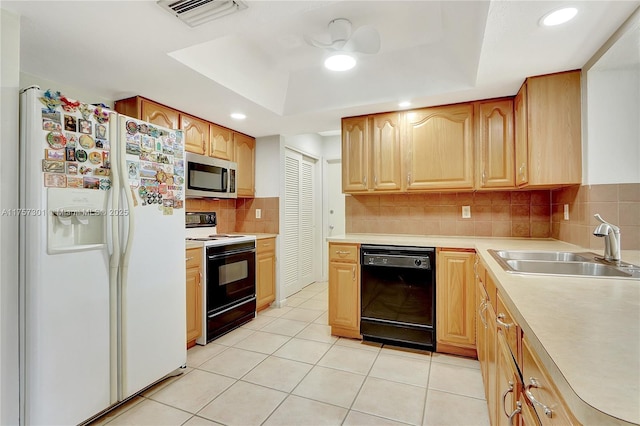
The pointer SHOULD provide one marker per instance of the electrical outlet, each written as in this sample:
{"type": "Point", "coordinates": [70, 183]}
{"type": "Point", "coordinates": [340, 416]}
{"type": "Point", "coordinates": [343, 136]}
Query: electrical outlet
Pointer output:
{"type": "Point", "coordinates": [258, 213]}
{"type": "Point", "coordinates": [466, 212]}
{"type": "Point", "coordinates": [566, 212]}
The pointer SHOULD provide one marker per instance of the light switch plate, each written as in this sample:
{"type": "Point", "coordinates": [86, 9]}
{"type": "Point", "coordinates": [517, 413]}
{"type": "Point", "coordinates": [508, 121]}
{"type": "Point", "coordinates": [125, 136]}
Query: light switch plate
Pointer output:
{"type": "Point", "coordinates": [466, 212]}
{"type": "Point", "coordinates": [258, 213]}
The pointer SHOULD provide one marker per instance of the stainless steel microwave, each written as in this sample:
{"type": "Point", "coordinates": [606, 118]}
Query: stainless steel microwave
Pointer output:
{"type": "Point", "coordinates": [210, 177]}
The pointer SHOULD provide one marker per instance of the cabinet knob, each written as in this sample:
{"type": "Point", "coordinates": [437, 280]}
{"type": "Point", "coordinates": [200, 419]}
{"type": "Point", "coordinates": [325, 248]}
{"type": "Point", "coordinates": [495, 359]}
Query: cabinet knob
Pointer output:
{"type": "Point", "coordinates": [188, 259]}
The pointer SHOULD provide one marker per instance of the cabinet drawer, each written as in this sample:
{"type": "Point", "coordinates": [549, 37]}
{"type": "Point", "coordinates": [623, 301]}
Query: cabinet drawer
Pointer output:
{"type": "Point", "coordinates": [266, 244]}
{"type": "Point", "coordinates": [193, 258]}
{"type": "Point", "coordinates": [343, 253]}
{"type": "Point", "coordinates": [541, 392]}
{"type": "Point", "coordinates": [510, 328]}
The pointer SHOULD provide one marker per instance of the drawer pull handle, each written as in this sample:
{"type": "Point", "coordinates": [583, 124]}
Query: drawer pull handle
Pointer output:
{"type": "Point", "coordinates": [502, 323]}
{"type": "Point", "coordinates": [353, 277]}
{"type": "Point", "coordinates": [342, 252]}
{"type": "Point", "coordinates": [504, 397]}
{"type": "Point", "coordinates": [189, 258]}
{"type": "Point", "coordinates": [535, 384]}
{"type": "Point", "coordinates": [516, 411]}
{"type": "Point", "coordinates": [481, 309]}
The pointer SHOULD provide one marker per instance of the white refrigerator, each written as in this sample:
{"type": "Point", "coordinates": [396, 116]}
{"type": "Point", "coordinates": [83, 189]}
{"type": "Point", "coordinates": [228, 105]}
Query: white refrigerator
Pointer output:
{"type": "Point", "coordinates": [102, 265]}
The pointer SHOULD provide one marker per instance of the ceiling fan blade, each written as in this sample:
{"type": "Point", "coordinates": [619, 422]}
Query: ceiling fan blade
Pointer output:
{"type": "Point", "coordinates": [335, 45]}
{"type": "Point", "coordinates": [365, 40]}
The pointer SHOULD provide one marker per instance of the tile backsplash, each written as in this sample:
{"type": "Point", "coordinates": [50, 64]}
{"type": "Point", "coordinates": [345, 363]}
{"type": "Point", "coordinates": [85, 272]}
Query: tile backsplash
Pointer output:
{"type": "Point", "coordinates": [497, 214]}
{"type": "Point", "coordinates": [239, 215]}
{"type": "Point", "coordinates": [617, 203]}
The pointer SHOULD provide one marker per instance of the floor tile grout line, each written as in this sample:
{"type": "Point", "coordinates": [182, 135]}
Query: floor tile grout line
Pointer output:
{"type": "Point", "coordinates": [426, 393]}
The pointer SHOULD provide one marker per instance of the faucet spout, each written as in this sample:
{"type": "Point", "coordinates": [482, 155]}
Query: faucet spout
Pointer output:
{"type": "Point", "coordinates": [611, 234]}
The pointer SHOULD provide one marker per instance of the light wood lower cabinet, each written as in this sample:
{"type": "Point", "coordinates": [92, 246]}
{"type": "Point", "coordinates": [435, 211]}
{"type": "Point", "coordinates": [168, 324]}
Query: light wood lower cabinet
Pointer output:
{"type": "Point", "coordinates": [265, 272]}
{"type": "Point", "coordinates": [194, 294]}
{"type": "Point", "coordinates": [344, 290]}
{"type": "Point", "coordinates": [456, 302]}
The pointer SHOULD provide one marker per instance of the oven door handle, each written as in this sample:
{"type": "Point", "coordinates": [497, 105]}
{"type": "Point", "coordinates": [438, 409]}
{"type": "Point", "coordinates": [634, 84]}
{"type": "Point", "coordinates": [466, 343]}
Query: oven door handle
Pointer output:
{"type": "Point", "coordinates": [209, 316]}
{"type": "Point", "coordinates": [229, 253]}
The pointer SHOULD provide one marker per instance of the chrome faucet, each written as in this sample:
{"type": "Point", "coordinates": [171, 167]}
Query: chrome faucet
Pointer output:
{"type": "Point", "coordinates": [611, 234]}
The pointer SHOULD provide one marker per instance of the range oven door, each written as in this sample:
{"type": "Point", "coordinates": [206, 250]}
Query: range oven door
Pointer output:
{"type": "Point", "coordinates": [231, 287]}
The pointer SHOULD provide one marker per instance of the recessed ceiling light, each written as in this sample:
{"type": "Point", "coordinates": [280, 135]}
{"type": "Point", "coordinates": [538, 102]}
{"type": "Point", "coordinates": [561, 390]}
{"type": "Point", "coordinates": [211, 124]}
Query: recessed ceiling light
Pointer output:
{"type": "Point", "coordinates": [404, 104]}
{"type": "Point", "coordinates": [238, 116]}
{"type": "Point", "coordinates": [559, 16]}
{"type": "Point", "coordinates": [340, 62]}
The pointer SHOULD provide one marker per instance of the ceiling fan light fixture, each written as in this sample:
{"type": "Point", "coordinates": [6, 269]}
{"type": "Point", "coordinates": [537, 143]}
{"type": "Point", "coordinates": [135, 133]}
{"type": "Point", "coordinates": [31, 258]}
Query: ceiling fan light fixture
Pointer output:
{"type": "Point", "coordinates": [558, 17]}
{"type": "Point", "coordinates": [340, 62]}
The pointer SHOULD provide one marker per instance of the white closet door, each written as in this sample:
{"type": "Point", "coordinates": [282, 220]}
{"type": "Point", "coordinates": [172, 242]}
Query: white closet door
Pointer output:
{"type": "Point", "coordinates": [299, 236]}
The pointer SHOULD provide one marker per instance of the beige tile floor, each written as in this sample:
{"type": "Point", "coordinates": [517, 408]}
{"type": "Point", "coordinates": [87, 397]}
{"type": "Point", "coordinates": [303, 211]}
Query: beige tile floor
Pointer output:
{"type": "Point", "coordinates": [285, 368]}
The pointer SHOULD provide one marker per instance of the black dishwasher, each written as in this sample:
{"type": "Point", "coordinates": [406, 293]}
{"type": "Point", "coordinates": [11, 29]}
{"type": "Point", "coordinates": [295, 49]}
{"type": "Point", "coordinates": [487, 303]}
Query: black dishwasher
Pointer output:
{"type": "Point", "coordinates": [398, 294]}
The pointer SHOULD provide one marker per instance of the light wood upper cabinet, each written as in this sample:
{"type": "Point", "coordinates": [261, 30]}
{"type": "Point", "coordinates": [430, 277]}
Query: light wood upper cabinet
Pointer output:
{"type": "Point", "coordinates": [221, 142]}
{"type": "Point", "coordinates": [494, 126]}
{"type": "Point", "coordinates": [521, 137]}
{"type": "Point", "coordinates": [194, 294]}
{"type": "Point", "coordinates": [386, 153]}
{"type": "Point", "coordinates": [456, 302]}
{"type": "Point", "coordinates": [149, 111]}
{"type": "Point", "coordinates": [344, 290]}
{"type": "Point", "coordinates": [439, 143]}
{"type": "Point", "coordinates": [265, 272]}
{"type": "Point", "coordinates": [245, 156]}
{"type": "Point", "coordinates": [551, 117]}
{"type": "Point", "coordinates": [355, 154]}
{"type": "Point", "coordinates": [196, 134]}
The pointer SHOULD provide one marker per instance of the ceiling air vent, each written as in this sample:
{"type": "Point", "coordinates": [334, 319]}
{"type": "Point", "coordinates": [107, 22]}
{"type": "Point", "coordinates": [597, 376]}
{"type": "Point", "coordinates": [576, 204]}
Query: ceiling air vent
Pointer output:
{"type": "Point", "coordinates": [198, 12]}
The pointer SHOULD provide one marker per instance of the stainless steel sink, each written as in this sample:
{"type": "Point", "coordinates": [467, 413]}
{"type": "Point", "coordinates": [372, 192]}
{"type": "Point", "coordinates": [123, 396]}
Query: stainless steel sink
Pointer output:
{"type": "Point", "coordinates": [563, 263]}
{"type": "Point", "coordinates": [557, 256]}
{"type": "Point", "coordinates": [565, 268]}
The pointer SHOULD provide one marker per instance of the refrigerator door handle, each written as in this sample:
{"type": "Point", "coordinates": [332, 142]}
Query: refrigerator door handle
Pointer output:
{"type": "Point", "coordinates": [114, 263]}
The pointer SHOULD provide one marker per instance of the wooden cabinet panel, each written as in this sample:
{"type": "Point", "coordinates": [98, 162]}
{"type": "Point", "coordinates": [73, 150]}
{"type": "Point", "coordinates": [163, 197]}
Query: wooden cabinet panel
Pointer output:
{"type": "Point", "coordinates": [159, 114]}
{"type": "Point", "coordinates": [553, 124]}
{"type": "Point", "coordinates": [494, 121]}
{"type": "Point", "coordinates": [196, 134]}
{"type": "Point", "coordinates": [510, 328]}
{"type": "Point", "coordinates": [521, 137]}
{"type": "Point", "coordinates": [355, 154]}
{"type": "Point", "coordinates": [508, 385]}
{"type": "Point", "coordinates": [221, 142]}
{"type": "Point", "coordinates": [245, 156]}
{"type": "Point", "coordinates": [439, 142]}
{"type": "Point", "coordinates": [491, 363]}
{"type": "Point", "coordinates": [265, 272]}
{"type": "Point", "coordinates": [542, 388]}
{"type": "Point", "coordinates": [344, 291]}
{"type": "Point", "coordinates": [194, 294]}
{"type": "Point", "coordinates": [481, 331]}
{"type": "Point", "coordinates": [456, 302]}
{"type": "Point", "coordinates": [387, 164]}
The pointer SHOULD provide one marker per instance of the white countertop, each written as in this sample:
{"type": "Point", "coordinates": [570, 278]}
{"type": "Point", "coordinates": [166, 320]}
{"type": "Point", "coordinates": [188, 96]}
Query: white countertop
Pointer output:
{"type": "Point", "coordinates": [585, 330]}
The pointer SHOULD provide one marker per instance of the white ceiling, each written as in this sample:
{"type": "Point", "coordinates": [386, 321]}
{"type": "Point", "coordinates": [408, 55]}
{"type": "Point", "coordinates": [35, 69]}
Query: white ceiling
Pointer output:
{"type": "Point", "coordinates": [255, 61]}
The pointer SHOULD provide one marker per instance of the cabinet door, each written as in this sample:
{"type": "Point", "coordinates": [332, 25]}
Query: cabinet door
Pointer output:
{"type": "Point", "coordinates": [221, 143]}
{"type": "Point", "coordinates": [245, 156]}
{"type": "Point", "coordinates": [194, 304]}
{"type": "Point", "coordinates": [344, 299]}
{"type": "Point", "coordinates": [521, 137]}
{"type": "Point", "coordinates": [386, 152]}
{"type": "Point", "coordinates": [196, 133]}
{"type": "Point", "coordinates": [481, 332]}
{"type": "Point", "coordinates": [355, 154]}
{"type": "Point", "coordinates": [555, 150]}
{"type": "Point", "coordinates": [456, 300]}
{"type": "Point", "coordinates": [439, 142]}
{"type": "Point", "coordinates": [491, 363]}
{"type": "Point", "coordinates": [159, 114]}
{"type": "Point", "coordinates": [496, 144]}
{"type": "Point", "coordinates": [508, 389]}
{"type": "Point", "coordinates": [265, 273]}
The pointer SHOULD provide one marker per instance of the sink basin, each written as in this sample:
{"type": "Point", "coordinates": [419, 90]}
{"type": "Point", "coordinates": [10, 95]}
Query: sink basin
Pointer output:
{"type": "Point", "coordinates": [558, 256]}
{"type": "Point", "coordinates": [562, 263]}
{"type": "Point", "coordinates": [565, 268]}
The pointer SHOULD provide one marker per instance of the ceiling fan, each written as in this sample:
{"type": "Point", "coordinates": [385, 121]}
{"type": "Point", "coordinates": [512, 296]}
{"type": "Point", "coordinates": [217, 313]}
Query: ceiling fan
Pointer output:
{"type": "Point", "coordinates": [365, 39]}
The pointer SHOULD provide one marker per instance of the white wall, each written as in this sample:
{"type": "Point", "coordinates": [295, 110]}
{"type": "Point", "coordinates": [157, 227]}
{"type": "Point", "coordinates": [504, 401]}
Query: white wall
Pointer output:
{"type": "Point", "coordinates": [268, 166]}
{"type": "Point", "coordinates": [332, 147]}
{"type": "Point", "coordinates": [10, 81]}
{"type": "Point", "coordinates": [308, 143]}
{"type": "Point", "coordinates": [613, 126]}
